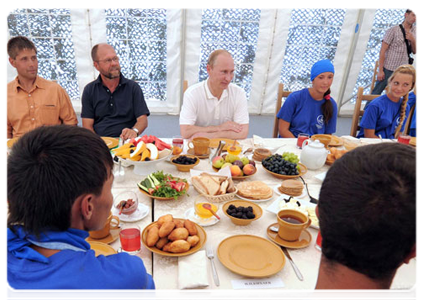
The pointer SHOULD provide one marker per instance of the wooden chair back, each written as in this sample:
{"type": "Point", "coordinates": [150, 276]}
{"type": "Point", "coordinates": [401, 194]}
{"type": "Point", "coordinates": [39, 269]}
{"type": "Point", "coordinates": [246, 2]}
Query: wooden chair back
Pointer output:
{"type": "Point", "coordinates": [281, 94]}
{"type": "Point", "coordinates": [374, 78]}
{"type": "Point", "coordinates": [408, 122]}
{"type": "Point", "coordinates": [358, 112]}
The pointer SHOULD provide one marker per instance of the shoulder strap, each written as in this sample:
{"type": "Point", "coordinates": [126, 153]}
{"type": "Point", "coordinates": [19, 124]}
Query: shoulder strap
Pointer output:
{"type": "Point", "coordinates": [407, 44]}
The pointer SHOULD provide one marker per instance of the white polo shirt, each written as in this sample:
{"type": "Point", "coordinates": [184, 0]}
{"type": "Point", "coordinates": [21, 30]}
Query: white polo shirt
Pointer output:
{"type": "Point", "coordinates": [201, 108]}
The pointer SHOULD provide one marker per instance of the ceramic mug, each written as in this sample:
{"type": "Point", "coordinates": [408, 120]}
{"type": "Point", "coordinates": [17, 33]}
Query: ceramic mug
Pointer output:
{"type": "Point", "coordinates": [111, 223]}
{"type": "Point", "coordinates": [200, 145]}
{"type": "Point", "coordinates": [291, 224]}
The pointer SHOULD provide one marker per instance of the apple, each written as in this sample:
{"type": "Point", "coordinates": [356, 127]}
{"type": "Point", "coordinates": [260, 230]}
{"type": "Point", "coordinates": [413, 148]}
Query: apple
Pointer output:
{"type": "Point", "coordinates": [236, 171]}
{"type": "Point", "coordinates": [245, 160]}
{"type": "Point", "coordinates": [249, 169]}
{"type": "Point", "coordinates": [217, 162]}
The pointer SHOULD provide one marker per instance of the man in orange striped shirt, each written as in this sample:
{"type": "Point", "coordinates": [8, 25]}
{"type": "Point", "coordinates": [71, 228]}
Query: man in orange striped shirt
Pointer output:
{"type": "Point", "coordinates": [33, 101]}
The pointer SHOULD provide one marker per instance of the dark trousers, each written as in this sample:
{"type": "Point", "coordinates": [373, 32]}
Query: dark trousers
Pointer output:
{"type": "Point", "coordinates": [381, 85]}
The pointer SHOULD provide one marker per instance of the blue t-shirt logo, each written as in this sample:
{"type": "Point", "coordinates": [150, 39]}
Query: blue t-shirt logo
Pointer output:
{"type": "Point", "coordinates": [320, 121]}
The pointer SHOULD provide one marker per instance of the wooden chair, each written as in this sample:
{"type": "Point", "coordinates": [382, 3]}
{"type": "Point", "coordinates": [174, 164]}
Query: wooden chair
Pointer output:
{"type": "Point", "coordinates": [374, 78]}
{"type": "Point", "coordinates": [408, 123]}
{"type": "Point", "coordinates": [358, 112]}
{"type": "Point", "coordinates": [281, 94]}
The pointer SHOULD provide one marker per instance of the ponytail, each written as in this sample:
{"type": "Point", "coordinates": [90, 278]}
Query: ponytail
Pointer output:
{"type": "Point", "coordinates": [327, 107]}
{"type": "Point", "coordinates": [402, 115]}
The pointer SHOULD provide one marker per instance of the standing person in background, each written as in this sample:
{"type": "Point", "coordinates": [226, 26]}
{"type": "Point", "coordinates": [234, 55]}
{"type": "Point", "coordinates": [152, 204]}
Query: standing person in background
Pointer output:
{"type": "Point", "coordinates": [310, 110]}
{"type": "Point", "coordinates": [113, 105]}
{"type": "Point", "coordinates": [384, 116]}
{"type": "Point", "coordinates": [215, 108]}
{"type": "Point", "coordinates": [367, 217]}
{"type": "Point", "coordinates": [33, 101]}
{"type": "Point", "coordinates": [397, 45]}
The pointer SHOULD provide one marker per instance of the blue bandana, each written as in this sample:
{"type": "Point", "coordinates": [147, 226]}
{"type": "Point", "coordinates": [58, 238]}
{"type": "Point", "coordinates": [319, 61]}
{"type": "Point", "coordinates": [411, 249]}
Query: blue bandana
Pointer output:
{"type": "Point", "coordinates": [320, 67]}
{"type": "Point", "coordinates": [19, 242]}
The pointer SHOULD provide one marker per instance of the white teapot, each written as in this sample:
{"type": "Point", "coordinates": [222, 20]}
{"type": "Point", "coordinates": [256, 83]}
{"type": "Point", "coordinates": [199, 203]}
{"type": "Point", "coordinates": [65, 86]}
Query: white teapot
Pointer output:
{"type": "Point", "coordinates": [314, 154]}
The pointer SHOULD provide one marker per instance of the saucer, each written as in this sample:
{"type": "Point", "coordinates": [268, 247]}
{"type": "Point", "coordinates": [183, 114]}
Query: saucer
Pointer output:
{"type": "Point", "coordinates": [302, 242]}
{"type": "Point", "coordinates": [190, 214]}
{"type": "Point", "coordinates": [191, 151]}
{"type": "Point", "coordinates": [101, 248]}
{"type": "Point", "coordinates": [141, 212]}
{"type": "Point", "coordinates": [113, 236]}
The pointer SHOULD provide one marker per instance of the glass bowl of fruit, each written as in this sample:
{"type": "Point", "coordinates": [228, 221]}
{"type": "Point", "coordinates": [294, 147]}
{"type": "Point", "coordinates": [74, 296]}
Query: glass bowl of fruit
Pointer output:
{"type": "Point", "coordinates": [242, 212]}
{"type": "Point", "coordinates": [185, 162]}
{"type": "Point", "coordinates": [126, 202]}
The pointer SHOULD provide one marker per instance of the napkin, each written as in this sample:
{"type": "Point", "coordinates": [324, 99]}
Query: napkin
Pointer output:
{"type": "Point", "coordinates": [271, 144]}
{"type": "Point", "coordinates": [223, 172]}
{"type": "Point", "coordinates": [192, 271]}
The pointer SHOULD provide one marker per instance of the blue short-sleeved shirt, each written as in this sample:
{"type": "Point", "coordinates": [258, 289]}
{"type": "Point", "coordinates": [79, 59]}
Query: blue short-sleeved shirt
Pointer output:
{"type": "Point", "coordinates": [112, 112]}
{"type": "Point", "coordinates": [70, 269]}
{"type": "Point", "coordinates": [382, 115]}
{"type": "Point", "coordinates": [305, 114]}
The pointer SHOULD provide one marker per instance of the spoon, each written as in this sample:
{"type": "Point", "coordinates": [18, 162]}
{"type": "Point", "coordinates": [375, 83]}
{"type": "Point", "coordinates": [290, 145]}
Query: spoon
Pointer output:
{"type": "Point", "coordinates": [208, 207]}
{"type": "Point", "coordinates": [248, 150]}
{"type": "Point", "coordinates": [312, 199]}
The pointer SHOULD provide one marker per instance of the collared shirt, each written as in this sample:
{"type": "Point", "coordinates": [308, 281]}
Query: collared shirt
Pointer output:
{"type": "Point", "coordinates": [112, 112]}
{"type": "Point", "coordinates": [47, 103]}
{"type": "Point", "coordinates": [396, 54]}
{"type": "Point", "coordinates": [201, 108]}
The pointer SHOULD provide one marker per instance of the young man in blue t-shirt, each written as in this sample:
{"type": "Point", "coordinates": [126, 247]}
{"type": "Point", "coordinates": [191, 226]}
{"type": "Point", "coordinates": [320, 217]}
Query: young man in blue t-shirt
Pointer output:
{"type": "Point", "coordinates": [59, 188]}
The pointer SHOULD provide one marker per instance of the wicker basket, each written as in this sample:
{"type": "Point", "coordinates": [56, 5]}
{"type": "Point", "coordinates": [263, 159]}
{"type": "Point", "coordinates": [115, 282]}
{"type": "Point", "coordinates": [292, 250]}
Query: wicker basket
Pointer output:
{"type": "Point", "coordinates": [218, 198]}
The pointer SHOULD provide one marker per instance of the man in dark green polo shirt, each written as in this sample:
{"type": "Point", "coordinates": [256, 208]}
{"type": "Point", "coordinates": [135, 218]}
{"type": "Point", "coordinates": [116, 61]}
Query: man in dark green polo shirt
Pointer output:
{"type": "Point", "coordinates": [113, 105]}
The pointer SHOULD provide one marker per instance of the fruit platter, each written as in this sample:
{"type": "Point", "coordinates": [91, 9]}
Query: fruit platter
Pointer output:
{"type": "Point", "coordinates": [285, 166]}
{"type": "Point", "coordinates": [161, 186]}
{"type": "Point", "coordinates": [240, 167]}
{"type": "Point", "coordinates": [143, 152]}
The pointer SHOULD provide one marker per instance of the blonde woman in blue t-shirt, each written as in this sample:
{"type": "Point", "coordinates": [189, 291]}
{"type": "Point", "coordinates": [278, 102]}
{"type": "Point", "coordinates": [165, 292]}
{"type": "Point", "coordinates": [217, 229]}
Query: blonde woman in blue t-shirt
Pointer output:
{"type": "Point", "coordinates": [310, 110]}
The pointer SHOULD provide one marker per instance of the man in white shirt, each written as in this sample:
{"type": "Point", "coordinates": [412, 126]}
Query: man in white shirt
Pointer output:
{"type": "Point", "coordinates": [215, 108]}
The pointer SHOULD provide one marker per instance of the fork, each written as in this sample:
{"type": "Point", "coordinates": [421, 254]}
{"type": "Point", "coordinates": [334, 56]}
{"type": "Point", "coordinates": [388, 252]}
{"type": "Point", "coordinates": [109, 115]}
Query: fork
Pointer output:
{"type": "Point", "coordinates": [312, 199]}
{"type": "Point", "coordinates": [210, 255]}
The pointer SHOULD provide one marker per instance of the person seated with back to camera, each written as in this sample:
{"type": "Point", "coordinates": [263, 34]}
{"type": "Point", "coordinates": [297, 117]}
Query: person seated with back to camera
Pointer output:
{"type": "Point", "coordinates": [310, 110]}
{"type": "Point", "coordinates": [215, 108]}
{"type": "Point", "coordinates": [367, 217]}
{"type": "Point", "coordinates": [59, 181]}
{"type": "Point", "coordinates": [385, 116]}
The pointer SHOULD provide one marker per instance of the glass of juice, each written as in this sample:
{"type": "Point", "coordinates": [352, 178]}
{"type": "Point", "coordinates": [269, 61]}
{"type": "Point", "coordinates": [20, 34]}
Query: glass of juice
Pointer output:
{"type": "Point", "coordinates": [130, 239]}
{"type": "Point", "coordinates": [301, 138]}
{"type": "Point", "coordinates": [404, 139]}
{"type": "Point", "coordinates": [178, 144]}
{"type": "Point", "coordinates": [202, 212]}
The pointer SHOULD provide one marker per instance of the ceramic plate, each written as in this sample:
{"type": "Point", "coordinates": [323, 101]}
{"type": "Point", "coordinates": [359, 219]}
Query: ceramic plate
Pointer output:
{"type": "Point", "coordinates": [113, 236]}
{"type": "Point", "coordinates": [201, 234]}
{"type": "Point", "coordinates": [190, 214]}
{"type": "Point", "coordinates": [276, 190]}
{"type": "Point", "coordinates": [164, 198]}
{"type": "Point", "coordinates": [191, 151]}
{"type": "Point", "coordinates": [254, 200]}
{"type": "Point", "coordinates": [321, 176]}
{"type": "Point", "coordinates": [275, 208]}
{"type": "Point", "coordinates": [102, 249]}
{"type": "Point", "coordinates": [110, 142]}
{"type": "Point", "coordinates": [214, 143]}
{"type": "Point", "coordinates": [302, 242]}
{"type": "Point", "coordinates": [303, 170]}
{"type": "Point", "coordinates": [250, 256]}
{"type": "Point", "coordinates": [11, 142]}
{"type": "Point", "coordinates": [141, 212]}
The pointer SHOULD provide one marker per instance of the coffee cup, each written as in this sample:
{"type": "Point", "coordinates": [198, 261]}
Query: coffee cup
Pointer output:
{"type": "Point", "coordinates": [111, 223]}
{"type": "Point", "coordinates": [200, 145]}
{"type": "Point", "coordinates": [291, 224]}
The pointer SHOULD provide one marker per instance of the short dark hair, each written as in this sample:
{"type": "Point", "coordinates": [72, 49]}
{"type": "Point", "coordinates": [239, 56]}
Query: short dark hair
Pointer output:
{"type": "Point", "coordinates": [409, 10]}
{"type": "Point", "coordinates": [17, 44]}
{"type": "Point", "coordinates": [367, 209]}
{"type": "Point", "coordinates": [94, 52]}
{"type": "Point", "coordinates": [48, 169]}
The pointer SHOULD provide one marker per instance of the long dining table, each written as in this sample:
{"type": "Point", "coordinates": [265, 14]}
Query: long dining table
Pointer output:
{"type": "Point", "coordinates": [164, 269]}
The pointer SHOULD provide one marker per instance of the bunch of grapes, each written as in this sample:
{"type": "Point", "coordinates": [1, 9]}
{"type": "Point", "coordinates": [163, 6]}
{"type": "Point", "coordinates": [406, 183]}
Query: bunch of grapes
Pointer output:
{"type": "Point", "coordinates": [277, 164]}
{"type": "Point", "coordinates": [291, 157]}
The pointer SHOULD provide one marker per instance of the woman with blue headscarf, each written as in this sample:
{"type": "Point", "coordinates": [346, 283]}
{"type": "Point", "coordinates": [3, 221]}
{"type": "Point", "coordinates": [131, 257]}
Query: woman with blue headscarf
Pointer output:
{"type": "Point", "coordinates": [310, 110]}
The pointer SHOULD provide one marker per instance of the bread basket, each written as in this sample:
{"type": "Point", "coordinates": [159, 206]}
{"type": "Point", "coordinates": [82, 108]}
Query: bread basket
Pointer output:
{"type": "Point", "coordinates": [218, 198]}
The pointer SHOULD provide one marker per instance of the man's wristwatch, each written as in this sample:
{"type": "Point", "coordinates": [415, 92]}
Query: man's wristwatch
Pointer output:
{"type": "Point", "coordinates": [136, 130]}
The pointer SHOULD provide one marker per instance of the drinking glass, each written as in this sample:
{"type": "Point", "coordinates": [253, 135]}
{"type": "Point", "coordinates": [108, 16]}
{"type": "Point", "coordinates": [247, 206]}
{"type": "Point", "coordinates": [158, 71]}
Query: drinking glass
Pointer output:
{"type": "Point", "coordinates": [301, 138]}
{"type": "Point", "coordinates": [130, 238]}
{"type": "Point", "coordinates": [202, 212]}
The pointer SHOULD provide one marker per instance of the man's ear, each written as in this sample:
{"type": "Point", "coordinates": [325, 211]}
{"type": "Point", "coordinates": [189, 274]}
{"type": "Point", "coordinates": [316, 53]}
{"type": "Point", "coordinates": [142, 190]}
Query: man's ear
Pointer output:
{"type": "Point", "coordinates": [87, 206]}
{"type": "Point", "coordinates": [411, 255]}
{"type": "Point", "coordinates": [12, 62]}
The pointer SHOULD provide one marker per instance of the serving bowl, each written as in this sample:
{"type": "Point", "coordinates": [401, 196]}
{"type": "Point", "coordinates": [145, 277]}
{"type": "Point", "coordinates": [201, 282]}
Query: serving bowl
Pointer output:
{"type": "Point", "coordinates": [238, 221]}
{"type": "Point", "coordinates": [125, 196]}
{"type": "Point", "coordinates": [184, 168]}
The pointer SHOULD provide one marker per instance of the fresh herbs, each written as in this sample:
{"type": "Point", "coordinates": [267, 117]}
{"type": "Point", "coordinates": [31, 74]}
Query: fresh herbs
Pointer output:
{"type": "Point", "coordinates": [159, 184]}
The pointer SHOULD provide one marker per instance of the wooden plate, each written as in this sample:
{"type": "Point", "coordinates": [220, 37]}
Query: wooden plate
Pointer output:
{"type": "Point", "coordinates": [11, 142]}
{"type": "Point", "coordinates": [101, 248]}
{"type": "Point", "coordinates": [303, 170]}
{"type": "Point", "coordinates": [251, 256]}
{"type": "Point", "coordinates": [163, 198]}
{"type": "Point", "coordinates": [110, 142]}
{"type": "Point", "coordinates": [201, 234]}
{"type": "Point", "coordinates": [214, 143]}
{"type": "Point", "coordinates": [336, 141]}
